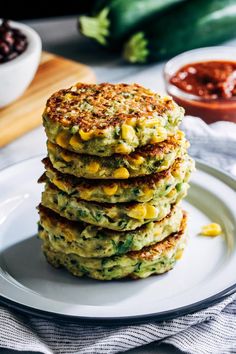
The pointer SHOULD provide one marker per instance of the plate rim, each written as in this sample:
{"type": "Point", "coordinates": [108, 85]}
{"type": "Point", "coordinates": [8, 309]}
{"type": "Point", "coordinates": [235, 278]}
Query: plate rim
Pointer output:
{"type": "Point", "coordinates": [227, 178]}
{"type": "Point", "coordinates": [139, 319]}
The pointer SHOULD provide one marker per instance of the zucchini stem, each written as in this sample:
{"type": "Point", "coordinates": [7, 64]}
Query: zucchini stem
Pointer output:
{"type": "Point", "coordinates": [96, 27]}
{"type": "Point", "coordinates": [135, 50]}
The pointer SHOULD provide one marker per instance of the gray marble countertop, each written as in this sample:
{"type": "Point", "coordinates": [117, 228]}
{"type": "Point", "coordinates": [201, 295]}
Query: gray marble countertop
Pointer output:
{"type": "Point", "coordinates": [60, 36]}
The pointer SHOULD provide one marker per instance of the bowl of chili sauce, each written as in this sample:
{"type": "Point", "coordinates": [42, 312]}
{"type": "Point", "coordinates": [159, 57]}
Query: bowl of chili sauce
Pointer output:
{"type": "Point", "coordinates": [203, 81]}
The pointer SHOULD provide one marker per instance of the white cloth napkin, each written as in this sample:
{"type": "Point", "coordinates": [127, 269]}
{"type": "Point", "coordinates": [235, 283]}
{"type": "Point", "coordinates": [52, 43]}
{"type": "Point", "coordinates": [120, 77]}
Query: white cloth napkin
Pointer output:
{"type": "Point", "coordinates": [214, 143]}
{"type": "Point", "coordinates": [210, 331]}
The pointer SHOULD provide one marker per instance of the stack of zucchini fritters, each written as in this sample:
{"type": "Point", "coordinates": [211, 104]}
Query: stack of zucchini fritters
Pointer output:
{"type": "Point", "coordinates": [116, 170]}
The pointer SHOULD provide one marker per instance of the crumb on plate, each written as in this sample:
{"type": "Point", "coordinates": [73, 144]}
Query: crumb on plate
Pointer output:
{"type": "Point", "coordinates": [212, 229]}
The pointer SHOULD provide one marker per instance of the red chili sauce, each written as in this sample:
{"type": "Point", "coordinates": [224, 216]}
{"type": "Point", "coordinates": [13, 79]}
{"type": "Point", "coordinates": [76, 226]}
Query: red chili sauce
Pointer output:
{"type": "Point", "coordinates": [214, 85]}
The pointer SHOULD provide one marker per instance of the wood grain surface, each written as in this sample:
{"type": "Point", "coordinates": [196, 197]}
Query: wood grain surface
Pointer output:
{"type": "Point", "coordinates": [24, 114]}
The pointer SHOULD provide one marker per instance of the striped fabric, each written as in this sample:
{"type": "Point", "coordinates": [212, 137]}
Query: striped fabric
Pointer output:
{"type": "Point", "coordinates": [210, 331]}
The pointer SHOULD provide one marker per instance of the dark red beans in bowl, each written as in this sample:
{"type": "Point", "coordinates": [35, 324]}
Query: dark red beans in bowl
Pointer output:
{"type": "Point", "coordinates": [13, 42]}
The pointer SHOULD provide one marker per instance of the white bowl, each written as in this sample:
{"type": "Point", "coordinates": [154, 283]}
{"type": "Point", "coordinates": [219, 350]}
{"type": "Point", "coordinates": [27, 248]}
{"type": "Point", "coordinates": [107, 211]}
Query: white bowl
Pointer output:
{"type": "Point", "coordinates": [17, 74]}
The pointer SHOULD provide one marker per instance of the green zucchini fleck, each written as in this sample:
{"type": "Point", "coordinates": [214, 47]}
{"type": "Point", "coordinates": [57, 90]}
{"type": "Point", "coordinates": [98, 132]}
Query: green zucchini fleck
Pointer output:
{"type": "Point", "coordinates": [124, 247]}
{"type": "Point", "coordinates": [178, 186]}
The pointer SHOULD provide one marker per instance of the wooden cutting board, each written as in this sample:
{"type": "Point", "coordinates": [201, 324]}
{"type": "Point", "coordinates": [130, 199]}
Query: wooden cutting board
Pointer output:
{"type": "Point", "coordinates": [24, 114]}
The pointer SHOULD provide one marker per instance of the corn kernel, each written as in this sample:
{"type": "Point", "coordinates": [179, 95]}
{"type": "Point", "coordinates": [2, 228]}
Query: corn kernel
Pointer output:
{"type": "Point", "coordinates": [93, 167]}
{"type": "Point", "coordinates": [156, 139]}
{"type": "Point", "coordinates": [75, 143]}
{"type": "Point", "coordinates": [161, 135]}
{"type": "Point", "coordinates": [128, 133]}
{"type": "Point", "coordinates": [66, 157]}
{"type": "Point", "coordinates": [112, 213]}
{"type": "Point", "coordinates": [176, 172]}
{"type": "Point", "coordinates": [86, 135]}
{"type": "Point", "coordinates": [138, 160]}
{"type": "Point", "coordinates": [141, 121]}
{"type": "Point", "coordinates": [171, 193]}
{"type": "Point", "coordinates": [121, 172]}
{"type": "Point", "coordinates": [110, 190]}
{"type": "Point", "coordinates": [148, 192]}
{"type": "Point", "coordinates": [62, 139]}
{"type": "Point", "coordinates": [152, 123]}
{"type": "Point", "coordinates": [211, 230]}
{"type": "Point", "coordinates": [138, 212]}
{"type": "Point", "coordinates": [131, 121]}
{"type": "Point", "coordinates": [179, 254]}
{"type": "Point", "coordinates": [85, 194]}
{"type": "Point", "coordinates": [123, 149]}
{"type": "Point", "coordinates": [58, 183]}
{"type": "Point", "coordinates": [151, 212]}
{"type": "Point", "coordinates": [180, 134]}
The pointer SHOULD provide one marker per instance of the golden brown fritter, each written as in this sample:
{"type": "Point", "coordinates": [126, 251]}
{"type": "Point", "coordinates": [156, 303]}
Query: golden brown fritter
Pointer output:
{"type": "Point", "coordinates": [104, 119]}
{"type": "Point", "coordinates": [91, 241]}
{"type": "Point", "coordinates": [155, 259]}
{"type": "Point", "coordinates": [140, 189]}
{"type": "Point", "coordinates": [98, 106]}
{"type": "Point", "coordinates": [143, 161]}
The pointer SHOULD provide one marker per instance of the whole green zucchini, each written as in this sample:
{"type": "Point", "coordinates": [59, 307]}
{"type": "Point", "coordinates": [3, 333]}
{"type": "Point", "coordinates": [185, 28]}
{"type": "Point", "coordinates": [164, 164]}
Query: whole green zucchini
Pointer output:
{"type": "Point", "coordinates": [192, 24]}
{"type": "Point", "coordinates": [116, 19]}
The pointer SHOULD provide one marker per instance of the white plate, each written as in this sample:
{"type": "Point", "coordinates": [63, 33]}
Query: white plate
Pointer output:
{"type": "Point", "coordinates": [204, 275]}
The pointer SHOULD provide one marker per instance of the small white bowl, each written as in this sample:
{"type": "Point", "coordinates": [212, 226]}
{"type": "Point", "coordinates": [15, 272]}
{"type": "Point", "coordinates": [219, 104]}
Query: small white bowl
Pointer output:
{"type": "Point", "coordinates": [17, 74]}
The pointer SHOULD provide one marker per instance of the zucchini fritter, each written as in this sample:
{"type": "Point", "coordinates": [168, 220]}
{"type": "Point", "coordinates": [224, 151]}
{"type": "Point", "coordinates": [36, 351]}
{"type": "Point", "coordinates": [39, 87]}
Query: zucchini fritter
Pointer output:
{"type": "Point", "coordinates": [144, 161]}
{"type": "Point", "coordinates": [104, 119]}
{"type": "Point", "coordinates": [156, 259]}
{"type": "Point", "coordinates": [140, 189]}
{"type": "Point", "coordinates": [91, 241]}
{"type": "Point", "coordinates": [120, 216]}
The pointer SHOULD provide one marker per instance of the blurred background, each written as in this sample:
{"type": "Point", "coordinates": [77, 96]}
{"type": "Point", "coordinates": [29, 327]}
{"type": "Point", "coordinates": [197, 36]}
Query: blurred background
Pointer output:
{"type": "Point", "coordinates": [23, 10]}
{"type": "Point", "coordinates": [109, 41]}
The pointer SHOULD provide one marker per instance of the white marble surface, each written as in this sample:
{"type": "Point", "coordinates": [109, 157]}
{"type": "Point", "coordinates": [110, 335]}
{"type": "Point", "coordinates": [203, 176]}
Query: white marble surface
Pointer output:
{"type": "Point", "coordinates": [60, 36]}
